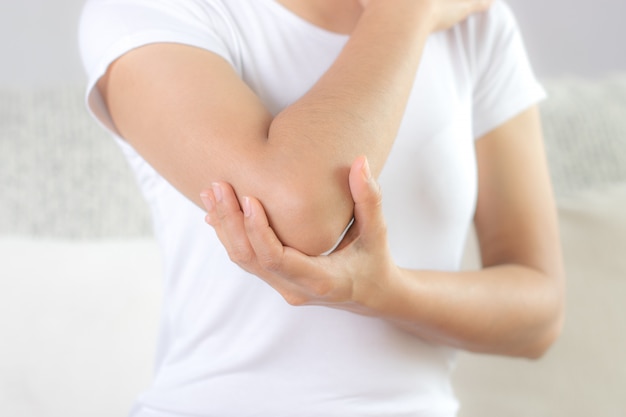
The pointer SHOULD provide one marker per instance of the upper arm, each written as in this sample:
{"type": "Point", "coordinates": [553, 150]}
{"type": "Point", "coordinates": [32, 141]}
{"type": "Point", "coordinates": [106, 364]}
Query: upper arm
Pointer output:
{"type": "Point", "coordinates": [515, 217]}
{"type": "Point", "coordinates": [187, 112]}
{"type": "Point", "coordinates": [169, 100]}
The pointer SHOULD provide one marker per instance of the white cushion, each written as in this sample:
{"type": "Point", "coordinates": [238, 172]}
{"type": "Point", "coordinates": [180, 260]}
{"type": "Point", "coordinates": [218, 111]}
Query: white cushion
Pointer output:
{"type": "Point", "coordinates": [78, 322]}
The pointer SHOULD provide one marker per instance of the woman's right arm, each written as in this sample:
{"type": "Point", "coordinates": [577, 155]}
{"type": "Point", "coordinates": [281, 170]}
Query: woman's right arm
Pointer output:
{"type": "Point", "coordinates": [191, 117]}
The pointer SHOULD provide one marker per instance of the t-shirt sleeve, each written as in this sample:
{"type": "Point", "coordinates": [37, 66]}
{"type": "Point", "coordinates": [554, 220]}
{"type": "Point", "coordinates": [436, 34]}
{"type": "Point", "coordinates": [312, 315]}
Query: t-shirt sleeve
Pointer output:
{"type": "Point", "coordinates": [504, 83]}
{"type": "Point", "coordinates": [110, 28]}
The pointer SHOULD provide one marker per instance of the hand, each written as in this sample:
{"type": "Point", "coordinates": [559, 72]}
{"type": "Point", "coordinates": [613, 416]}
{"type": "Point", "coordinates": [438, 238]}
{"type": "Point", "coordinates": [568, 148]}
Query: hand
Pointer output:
{"type": "Point", "coordinates": [351, 278]}
{"type": "Point", "coordinates": [444, 13]}
{"type": "Point", "coordinates": [447, 13]}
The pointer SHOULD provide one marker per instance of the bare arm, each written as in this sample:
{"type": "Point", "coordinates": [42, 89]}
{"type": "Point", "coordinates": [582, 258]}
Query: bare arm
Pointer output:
{"type": "Point", "coordinates": [189, 115]}
{"type": "Point", "coordinates": [513, 306]}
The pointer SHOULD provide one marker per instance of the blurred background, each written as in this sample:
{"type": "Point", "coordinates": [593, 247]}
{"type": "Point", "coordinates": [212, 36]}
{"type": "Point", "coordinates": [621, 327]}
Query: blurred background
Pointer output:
{"type": "Point", "coordinates": [564, 37]}
{"type": "Point", "coordinates": [80, 272]}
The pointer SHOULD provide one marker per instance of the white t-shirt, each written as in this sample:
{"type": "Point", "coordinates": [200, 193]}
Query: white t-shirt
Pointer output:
{"type": "Point", "coordinates": [229, 345]}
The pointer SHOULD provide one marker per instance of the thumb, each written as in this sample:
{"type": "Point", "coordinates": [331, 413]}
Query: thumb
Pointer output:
{"type": "Point", "coordinates": [367, 198]}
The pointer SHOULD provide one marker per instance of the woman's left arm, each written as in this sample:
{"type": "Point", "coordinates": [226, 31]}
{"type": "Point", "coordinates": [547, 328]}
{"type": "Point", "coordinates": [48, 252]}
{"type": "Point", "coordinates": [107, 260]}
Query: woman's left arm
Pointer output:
{"type": "Point", "coordinates": [513, 306]}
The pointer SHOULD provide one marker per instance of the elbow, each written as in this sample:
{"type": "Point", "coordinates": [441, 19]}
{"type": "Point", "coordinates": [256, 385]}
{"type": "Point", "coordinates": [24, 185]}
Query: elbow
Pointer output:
{"type": "Point", "coordinates": [549, 334]}
{"type": "Point", "coordinates": [309, 203]}
{"type": "Point", "coordinates": [310, 219]}
{"type": "Point", "coordinates": [541, 347]}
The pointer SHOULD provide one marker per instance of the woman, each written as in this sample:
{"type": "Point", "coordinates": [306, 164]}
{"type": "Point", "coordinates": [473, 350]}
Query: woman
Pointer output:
{"type": "Point", "coordinates": [279, 119]}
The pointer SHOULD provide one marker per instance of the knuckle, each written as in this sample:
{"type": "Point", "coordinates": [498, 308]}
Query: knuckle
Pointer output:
{"type": "Point", "coordinates": [241, 255]}
{"type": "Point", "coordinates": [222, 216]}
{"type": "Point", "coordinates": [294, 299]}
{"type": "Point", "coordinates": [378, 200]}
{"type": "Point", "coordinates": [270, 262]}
{"type": "Point", "coordinates": [379, 230]}
{"type": "Point", "coordinates": [377, 193]}
{"type": "Point", "coordinates": [321, 288]}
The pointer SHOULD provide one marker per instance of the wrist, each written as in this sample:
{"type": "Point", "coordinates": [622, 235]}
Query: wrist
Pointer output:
{"type": "Point", "coordinates": [380, 297]}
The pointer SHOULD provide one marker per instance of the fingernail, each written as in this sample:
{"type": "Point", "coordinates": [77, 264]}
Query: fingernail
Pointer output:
{"type": "Point", "coordinates": [206, 200]}
{"type": "Point", "coordinates": [217, 191]}
{"type": "Point", "coordinates": [246, 206]}
{"type": "Point", "coordinates": [366, 170]}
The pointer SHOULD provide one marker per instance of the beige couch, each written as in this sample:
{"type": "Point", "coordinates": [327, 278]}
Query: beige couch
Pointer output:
{"type": "Point", "coordinates": [80, 274]}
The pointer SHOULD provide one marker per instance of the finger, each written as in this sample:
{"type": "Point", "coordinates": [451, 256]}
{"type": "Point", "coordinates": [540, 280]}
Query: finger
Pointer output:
{"type": "Point", "coordinates": [268, 248]}
{"type": "Point", "coordinates": [208, 199]}
{"type": "Point", "coordinates": [217, 220]}
{"type": "Point", "coordinates": [290, 272]}
{"type": "Point", "coordinates": [481, 5]}
{"type": "Point", "coordinates": [229, 225]}
{"type": "Point", "coordinates": [367, 198]}
{"type": "Point", "coordinates": [270, 254]}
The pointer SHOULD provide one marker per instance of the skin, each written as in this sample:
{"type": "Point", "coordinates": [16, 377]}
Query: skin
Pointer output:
{"type": "Point", "coordinates": [186, 111]}
{"type": "Point", "coordinates": [513, 306]}
{"type": "Point", "coordinates": [326, 159]}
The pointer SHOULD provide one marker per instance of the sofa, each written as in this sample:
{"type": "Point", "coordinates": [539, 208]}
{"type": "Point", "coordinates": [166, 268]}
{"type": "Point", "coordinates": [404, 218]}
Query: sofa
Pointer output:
{"type": "Point", "coordinates": [80, 274]}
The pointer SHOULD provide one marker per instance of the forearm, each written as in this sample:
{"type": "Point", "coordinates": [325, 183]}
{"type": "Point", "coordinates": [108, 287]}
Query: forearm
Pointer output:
{"type": "Point", "coordinates": [513, 306]}
{"type": "Point", "coordinates": [189, 114]}
{"type": "Point", "coordinates": [507, 309]}
{"type": "Point", "coordinates": [357, 105]}
{"type": "Point", "coordinates": [354, 109]}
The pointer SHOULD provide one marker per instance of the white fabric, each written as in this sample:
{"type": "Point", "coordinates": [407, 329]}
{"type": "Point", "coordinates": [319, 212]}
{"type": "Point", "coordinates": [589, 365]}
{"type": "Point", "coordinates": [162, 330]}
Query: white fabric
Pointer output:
{"type": "Point", "coordinates": [73, 321]}
{"type": "Point", "coordinates": [229, 345]}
